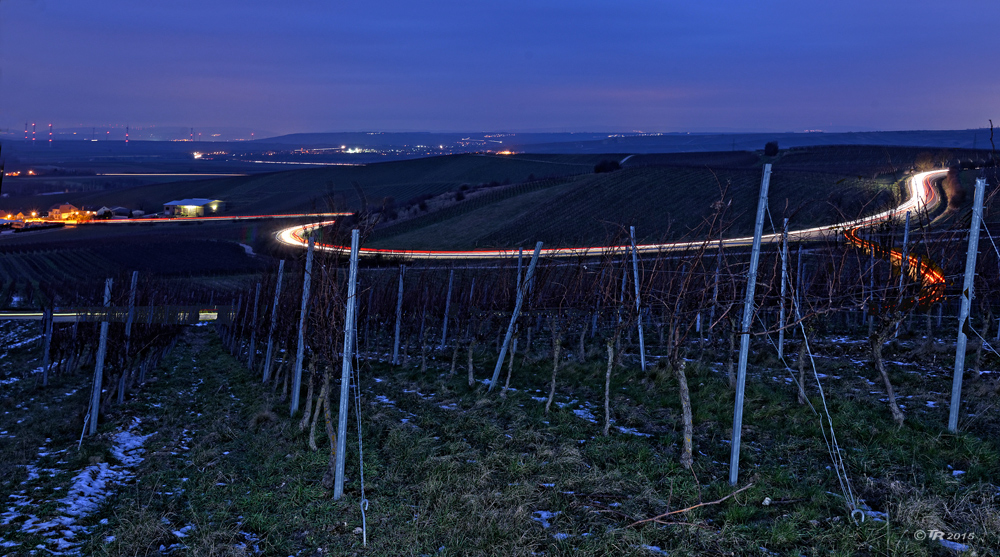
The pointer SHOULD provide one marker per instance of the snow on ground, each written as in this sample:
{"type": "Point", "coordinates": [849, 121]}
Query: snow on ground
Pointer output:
{"type": "Point", "coordinates": [89, 489]}
{"type": "Point", "coordinates": [586, 412]}
{"type": "Point", "coordinates": [248, 249]}
{"type": "Point", "coordinates": [543, 517]}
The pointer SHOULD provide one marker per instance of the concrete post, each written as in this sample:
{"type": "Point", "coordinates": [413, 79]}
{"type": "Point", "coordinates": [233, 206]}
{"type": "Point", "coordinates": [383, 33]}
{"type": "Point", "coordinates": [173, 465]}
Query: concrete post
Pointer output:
{"type": "Point", "coordinates": [399, 316]}
{"type": "Point", "coordinates": [734, 458]}
{"type": "Point", "coordinates": [638, 313]}
{"type": "Point", "coordinates": [102, 350]}
{"type": "Point", "coordinates": [967, 295]}
{"type": "Point", "coordinates": [345, 375]}
{"type": "Point", "coordinates": [268, 355]}
{"type": "Point", "coordinates": [253, 330]}
{"type": "Point", "coordinates": [447, 309]}
{"type": "Point", "coordinates": [303, 316]}
{"type": "Point", "coordinates": [784, 283]}
{"type": "Point", "coordinates": [522, 287]}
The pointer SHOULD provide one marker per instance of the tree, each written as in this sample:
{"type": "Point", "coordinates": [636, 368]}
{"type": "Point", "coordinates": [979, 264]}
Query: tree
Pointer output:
{"type": "Point", "coordinates": [771, 149]}
{"type": "Point", "coordinates": [607, 165]}
{"type": "Point", "coordinates": [953, 188]}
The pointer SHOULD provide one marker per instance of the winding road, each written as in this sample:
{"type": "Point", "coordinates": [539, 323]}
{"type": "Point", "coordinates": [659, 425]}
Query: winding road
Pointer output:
{"type": "Point", "coordinates": [923, 196]}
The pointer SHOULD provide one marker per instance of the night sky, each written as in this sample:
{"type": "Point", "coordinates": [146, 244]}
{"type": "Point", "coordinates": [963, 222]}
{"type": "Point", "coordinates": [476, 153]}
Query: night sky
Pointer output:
{"type": "Point", "coordinates": [313, 66]}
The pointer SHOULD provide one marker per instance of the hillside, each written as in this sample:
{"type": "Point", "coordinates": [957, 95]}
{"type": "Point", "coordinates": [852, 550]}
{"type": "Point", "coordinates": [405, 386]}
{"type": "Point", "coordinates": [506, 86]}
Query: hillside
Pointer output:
{"type": "Point", "coordinates": [660, 201]}
{"type": "Point", "coordinates": [320, 189]}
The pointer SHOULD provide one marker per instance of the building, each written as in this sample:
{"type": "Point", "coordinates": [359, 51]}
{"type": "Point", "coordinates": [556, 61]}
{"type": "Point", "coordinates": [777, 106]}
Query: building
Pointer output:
{"type": "Point", "coordinates": [196, 207]}
{"type": "Point", "coordinates": [63, 211]}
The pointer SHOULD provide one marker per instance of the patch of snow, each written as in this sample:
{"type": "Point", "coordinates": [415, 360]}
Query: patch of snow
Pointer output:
{"type": "Point", "coordinates": [23, 342]}
{"type": "Point", "coordinates": [954, 546]}
{"type": "Point", "coordinates": [631, 431]}
{"type": "Point", "coordinates": [876, 515]}
{"type": "Point", "coordinates": [957, 472]}
{"type": "Point", "coordinates": [543, 517]}
{"type": "Point", "coordinates": [89, 489]}
{"type": "Point", "coordinates": [586, 415]}
{"type": "Point", "coordinates": [653, 548]}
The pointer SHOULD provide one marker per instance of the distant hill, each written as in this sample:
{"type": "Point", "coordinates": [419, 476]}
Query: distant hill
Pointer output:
{"type": "Point", "coordinates": [640, 143]}
{"type": "Point", "coordinates": [679, 143]}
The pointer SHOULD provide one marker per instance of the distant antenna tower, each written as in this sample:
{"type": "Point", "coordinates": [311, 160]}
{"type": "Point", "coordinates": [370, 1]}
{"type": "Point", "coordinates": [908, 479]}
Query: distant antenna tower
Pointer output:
{"type": "Point", "coordinates": [25, 131]}
{"type": "Point", "coordinates": [192, 134]}
{"type": "Point", "coordinates": [107, 135]}
{"type": "Point", "coordinates": [93, 134]}
{"type": "Point", "coordinates": [32, 133]}
{"type": "Point", "coordinates": [126, 135]}
{"type": "Point", "coordinates": [50, 135]}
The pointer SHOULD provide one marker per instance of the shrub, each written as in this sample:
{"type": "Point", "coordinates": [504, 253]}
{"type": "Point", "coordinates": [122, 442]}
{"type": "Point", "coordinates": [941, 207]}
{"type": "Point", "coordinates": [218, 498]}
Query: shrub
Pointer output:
{"type": "Point", "coordinates": [607, 165]}
{"type": "Point", "coordinates": [771, 149]}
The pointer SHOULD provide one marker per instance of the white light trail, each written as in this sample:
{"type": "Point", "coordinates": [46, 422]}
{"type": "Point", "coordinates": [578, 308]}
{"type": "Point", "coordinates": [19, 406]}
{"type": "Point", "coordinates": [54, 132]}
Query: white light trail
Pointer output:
{"type": "Point", "coordinates": [922, 197]}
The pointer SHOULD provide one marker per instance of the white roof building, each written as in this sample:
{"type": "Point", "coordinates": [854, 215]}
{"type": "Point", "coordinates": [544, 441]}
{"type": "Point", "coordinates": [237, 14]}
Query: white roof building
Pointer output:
{"type": "Point", "coordinates": [193, 207]}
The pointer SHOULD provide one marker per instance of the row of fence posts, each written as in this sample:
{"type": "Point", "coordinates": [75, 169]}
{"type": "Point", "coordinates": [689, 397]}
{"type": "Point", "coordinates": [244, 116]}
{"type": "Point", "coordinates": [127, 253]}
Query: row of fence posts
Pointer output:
{"type": "Point", "coordinates": [350, 343]}
{"type": "Point", "coordinates": [524, 285]}
{"type": "Point", "coordinates": [748, 309]}
{"type": "Point", "coordinates": [91, 420]}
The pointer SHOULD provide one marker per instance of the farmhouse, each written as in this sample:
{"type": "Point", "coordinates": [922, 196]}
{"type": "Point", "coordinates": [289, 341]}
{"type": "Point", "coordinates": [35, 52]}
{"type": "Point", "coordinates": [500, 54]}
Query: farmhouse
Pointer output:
{"type": "Point", "coordinates": [196, 207]}
{"type": "Point", "coordinates": [113, 212]}
{"type": "Point", "coordinates": [62, 211]}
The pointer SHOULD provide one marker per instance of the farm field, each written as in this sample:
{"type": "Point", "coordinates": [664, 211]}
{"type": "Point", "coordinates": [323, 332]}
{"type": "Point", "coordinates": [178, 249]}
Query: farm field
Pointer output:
{"type": "Point", "coordinates": [315, 189]}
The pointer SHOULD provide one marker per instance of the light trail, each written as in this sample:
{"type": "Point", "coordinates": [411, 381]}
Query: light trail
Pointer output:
{"type": "Point", "coordinates": [923, 271]}
{"type": "Point", "coordinates": [179, 220]}
{"type": "Point", "coordinates": [164, 174]}
{"type": "Point", "coordinates": [923, 196]}
{"type": "Point", "coordinates": [177, 315]}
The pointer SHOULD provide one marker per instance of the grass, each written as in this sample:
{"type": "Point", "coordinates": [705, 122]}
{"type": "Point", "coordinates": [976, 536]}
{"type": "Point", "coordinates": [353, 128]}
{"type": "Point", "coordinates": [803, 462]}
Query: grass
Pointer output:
{"type": "Point", "coordinates": [450, 470]}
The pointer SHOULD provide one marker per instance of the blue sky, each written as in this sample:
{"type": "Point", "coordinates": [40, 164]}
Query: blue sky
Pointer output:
{"type": "Point", "coordinates": [309, 66]}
